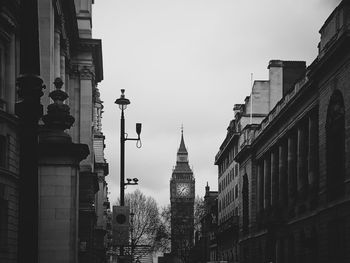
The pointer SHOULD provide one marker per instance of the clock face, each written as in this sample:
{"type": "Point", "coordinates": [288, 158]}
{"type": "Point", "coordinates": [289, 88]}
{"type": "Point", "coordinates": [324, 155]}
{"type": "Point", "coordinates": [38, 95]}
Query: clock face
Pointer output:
{"type": "Point", "coordinates": [183, 189]}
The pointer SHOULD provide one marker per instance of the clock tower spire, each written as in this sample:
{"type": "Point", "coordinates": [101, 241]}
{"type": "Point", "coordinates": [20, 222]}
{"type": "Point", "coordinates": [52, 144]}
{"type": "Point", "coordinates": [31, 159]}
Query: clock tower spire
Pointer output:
{"type": "Point", "coordinates": [182, 154]}
{"type": "Point", "coordinates": [182, 193]}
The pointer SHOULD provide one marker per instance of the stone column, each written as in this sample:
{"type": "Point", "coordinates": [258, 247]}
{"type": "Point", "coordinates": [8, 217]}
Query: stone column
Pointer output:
{"type": "Point", "coordinates": [274, 178]}
{"type": "Point", "coordinates": [29, 110]}
{"type": "Point", "coordinates": [86, 112]}
{"type": "Point", "coordinates": [283, 176]}
{"type": "Point", "coordinates": [57, 53]}
{"type": "Point", "coordinates": [260, 187]}
{"type": "Point", "coordinates": [292, 179]}
{"type": "Point", "coordinates": [59, 160]}
{"type": "Point", "coordinates": [267, 182]}
{"type": "Point", "coordinates": [312, 153]}
{"type": "Point", "coordinates": [63, 68]}
{"type": "Point", "coordinates": [302, 162]}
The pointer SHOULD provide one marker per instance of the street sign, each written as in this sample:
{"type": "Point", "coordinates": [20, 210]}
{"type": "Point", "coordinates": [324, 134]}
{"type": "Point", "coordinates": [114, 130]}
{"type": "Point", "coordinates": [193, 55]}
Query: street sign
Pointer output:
{"type": "Point", "coordinates": [120, 224]}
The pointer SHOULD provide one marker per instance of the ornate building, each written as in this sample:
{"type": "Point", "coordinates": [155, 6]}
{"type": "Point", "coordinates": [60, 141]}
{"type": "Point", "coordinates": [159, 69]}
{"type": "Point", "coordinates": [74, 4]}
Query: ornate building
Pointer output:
{"type": "Point", "coordinates": [52, 186]}
{"type": "Point", "coordinates": [264, 96]}
{"type": "Point", "coordinates": [182, 194]}
{"type": "Point", "coordinates": [294, 165]}
{"type": "Point", "coordinates": [9, 125]}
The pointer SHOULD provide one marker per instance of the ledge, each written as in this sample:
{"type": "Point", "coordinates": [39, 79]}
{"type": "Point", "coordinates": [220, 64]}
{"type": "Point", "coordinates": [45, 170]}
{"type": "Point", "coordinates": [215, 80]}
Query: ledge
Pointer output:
{"type": "Point", "coordinates": [74, 150]}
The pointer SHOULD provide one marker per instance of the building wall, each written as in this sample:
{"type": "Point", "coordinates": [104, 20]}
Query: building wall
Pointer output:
{"type": "Point", "coordinates": [60, 52]}
{"type": "Point", "coordinates": [301, 203]}
{"type": "Point", "coordinates": [264, 96]}
{"type": "Point", "coordinates": [9, 144]}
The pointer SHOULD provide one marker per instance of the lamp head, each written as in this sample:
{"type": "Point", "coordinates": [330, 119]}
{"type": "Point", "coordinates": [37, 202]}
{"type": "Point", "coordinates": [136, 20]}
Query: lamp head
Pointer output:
{"type": "Point", "coordinates": [122, 101]}
{"type": "Point", "coordinates": [138, 128]}
{"type": "Point", "coordinates": [135, 180]}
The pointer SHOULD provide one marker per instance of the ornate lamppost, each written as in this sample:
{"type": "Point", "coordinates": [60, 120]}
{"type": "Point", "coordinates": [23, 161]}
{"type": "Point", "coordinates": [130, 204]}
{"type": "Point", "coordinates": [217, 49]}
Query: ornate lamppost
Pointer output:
{"type": "Point", "coordinates": [123, 103]}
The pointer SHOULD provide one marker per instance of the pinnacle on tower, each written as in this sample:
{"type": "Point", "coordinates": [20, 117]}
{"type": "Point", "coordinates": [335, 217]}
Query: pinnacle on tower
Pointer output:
{"type": "Point", "coordinates": [182, 148]}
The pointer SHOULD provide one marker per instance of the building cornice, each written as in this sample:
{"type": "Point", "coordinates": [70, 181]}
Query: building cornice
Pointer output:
{"type": "Point", "coordinates": [94, 46]}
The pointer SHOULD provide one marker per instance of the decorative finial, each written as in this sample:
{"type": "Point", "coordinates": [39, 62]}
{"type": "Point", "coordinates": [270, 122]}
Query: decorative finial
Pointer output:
{"type": "Point", "coordinates": [58, 83]}
{"type": "Point", "coordinates": [58, 116]}
{"type": "Point", "coordinates": [182, 128]}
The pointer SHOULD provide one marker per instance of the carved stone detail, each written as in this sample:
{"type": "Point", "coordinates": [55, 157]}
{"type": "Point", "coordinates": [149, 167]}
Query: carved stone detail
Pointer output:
{"type": "Point", "coordinates": [87, 72]}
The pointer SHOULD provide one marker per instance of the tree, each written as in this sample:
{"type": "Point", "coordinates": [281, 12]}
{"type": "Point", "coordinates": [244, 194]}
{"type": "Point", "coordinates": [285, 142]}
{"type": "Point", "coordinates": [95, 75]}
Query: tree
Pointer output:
{"type": "Point", "coordinates": [199, 212]}
{"type": "Point", "coordinates": [144, 224]}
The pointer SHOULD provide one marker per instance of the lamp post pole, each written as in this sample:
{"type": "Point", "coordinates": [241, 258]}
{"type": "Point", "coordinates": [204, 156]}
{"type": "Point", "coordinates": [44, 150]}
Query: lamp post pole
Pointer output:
{"type": "Point", "coordinates": [123, 102]}
{"type": "Point", "coordinates": [122, 158]}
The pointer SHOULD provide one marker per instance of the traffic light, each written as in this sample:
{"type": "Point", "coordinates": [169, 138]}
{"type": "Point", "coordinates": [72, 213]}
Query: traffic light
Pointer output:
{"type": "Point", "coordinates": [120, 224]}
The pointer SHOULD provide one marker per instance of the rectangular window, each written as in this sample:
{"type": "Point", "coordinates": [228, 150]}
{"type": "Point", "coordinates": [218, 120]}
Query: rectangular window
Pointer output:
{"type": "Point", "coordinates": [236, 191]}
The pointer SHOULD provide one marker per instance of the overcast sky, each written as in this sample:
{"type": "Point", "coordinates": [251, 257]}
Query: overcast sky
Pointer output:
{"type": "Point", "coordinates": [188, 62]}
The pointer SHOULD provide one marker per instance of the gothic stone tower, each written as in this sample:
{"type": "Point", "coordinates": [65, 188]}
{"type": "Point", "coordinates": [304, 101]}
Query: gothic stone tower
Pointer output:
{"type": "Point", "coordinates": [182, 193]}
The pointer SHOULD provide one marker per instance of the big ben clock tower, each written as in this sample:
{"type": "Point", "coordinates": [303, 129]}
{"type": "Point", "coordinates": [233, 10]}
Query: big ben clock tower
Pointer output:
{"type": "Point", "coordinates": [182, 193]}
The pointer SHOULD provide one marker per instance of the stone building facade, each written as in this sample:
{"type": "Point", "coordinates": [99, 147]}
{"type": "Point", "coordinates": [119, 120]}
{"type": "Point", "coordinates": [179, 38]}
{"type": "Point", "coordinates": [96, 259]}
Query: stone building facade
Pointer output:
{"type": "Point", "coordinates": [264, 96]}
{"type": "Point", "coordinates": [72, 195]}
{"type": "Point", "coordinates": [9, 143]}
{"type": "Point", "coordinates": [294, 164]}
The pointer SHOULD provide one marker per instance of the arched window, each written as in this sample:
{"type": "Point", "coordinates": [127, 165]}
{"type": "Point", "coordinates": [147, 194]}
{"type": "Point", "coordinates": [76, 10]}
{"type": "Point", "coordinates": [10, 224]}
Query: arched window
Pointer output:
{"type": "Point", "coordinates": [335, 143]}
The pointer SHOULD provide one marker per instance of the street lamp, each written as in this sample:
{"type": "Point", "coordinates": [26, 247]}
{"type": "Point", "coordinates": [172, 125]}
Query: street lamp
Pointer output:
{"type": "Point", "coordinates": [123, 103]}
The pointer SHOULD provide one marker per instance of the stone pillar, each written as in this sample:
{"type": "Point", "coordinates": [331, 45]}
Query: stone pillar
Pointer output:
{"type": "Point", "coordinates": [267, 182]}
{"type": "Point", "coordinates": [283, 176]}
{"type": "Point", "coordinates": [86, 113]}
{"type": "Point", "coordinates": [59, 160]}
{"type": "Point", "coordinates": [29, 110]}
{"type": "Point", "coordinates": [63, 68]}
{"type": "Point", "coordinates": [292, 179]}
{"type": "Point", "coordinates": [57, 53]}
{"type": "Point", "coordinates": [312, 153]}
{"type": "Point", "coordinates": [58, 173]}
{"type": "Point", "coordinates": [302, 162]}
{"type": "Point", "coordinates": [260, 187]}
{"type": "Point", "coordinates": [274, 178]}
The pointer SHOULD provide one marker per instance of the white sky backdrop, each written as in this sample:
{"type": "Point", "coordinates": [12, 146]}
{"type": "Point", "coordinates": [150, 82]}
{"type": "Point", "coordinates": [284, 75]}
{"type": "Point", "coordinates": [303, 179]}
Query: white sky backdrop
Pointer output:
{"type": "Point", "coordinates": [188, 62]}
